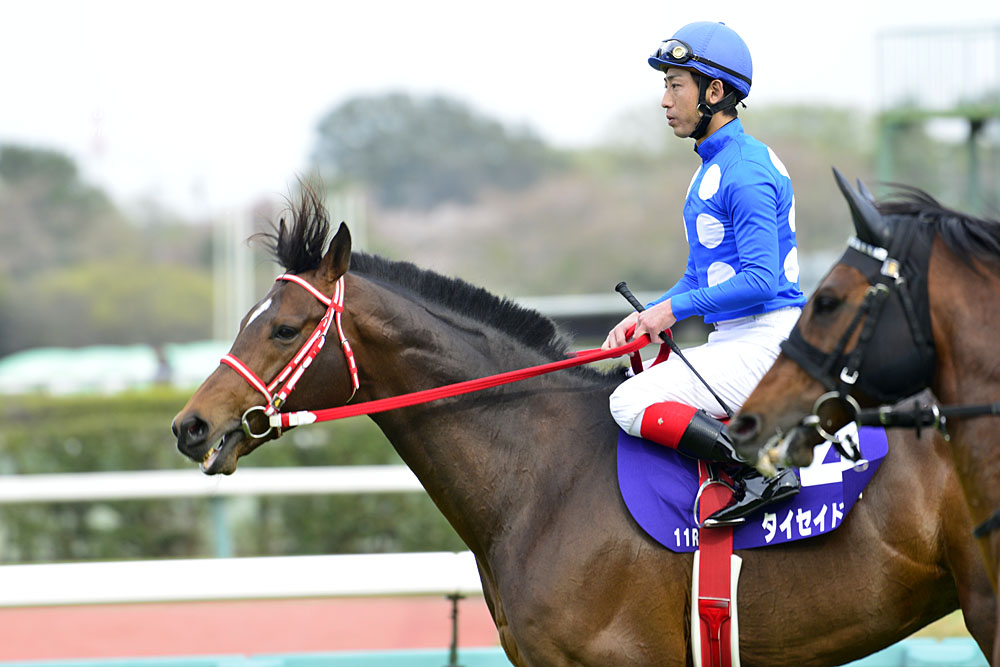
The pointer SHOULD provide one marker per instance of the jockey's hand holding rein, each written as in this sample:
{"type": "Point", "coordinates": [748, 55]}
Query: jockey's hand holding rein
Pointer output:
{"type": "Point", "coordinates": [651, 321]}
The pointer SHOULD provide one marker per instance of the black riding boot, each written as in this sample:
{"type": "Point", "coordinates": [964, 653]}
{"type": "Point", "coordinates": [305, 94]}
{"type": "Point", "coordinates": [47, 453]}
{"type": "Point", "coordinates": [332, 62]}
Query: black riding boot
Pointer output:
{"type": "Point", "coordinates": [753, 493]}
{"type": "Point", "coordinates": [705, 438]}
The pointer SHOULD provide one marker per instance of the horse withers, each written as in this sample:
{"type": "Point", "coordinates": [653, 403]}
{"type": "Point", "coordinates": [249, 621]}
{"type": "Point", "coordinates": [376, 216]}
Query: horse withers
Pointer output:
{"type": "Point", "coordinates": [526, 474]}
{"type": "Point", "coordinates": [913, 304]}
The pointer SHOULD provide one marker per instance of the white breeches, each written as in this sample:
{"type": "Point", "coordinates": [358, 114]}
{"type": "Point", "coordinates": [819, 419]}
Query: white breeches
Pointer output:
{"type": "Point", "coordinates": [737, 355]}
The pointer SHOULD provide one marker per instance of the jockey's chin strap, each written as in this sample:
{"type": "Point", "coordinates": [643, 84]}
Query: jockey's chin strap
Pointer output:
{"type": "Point", "coordinates": [707, 110]}
{"type": "Point", "coordinates": [294, 369]}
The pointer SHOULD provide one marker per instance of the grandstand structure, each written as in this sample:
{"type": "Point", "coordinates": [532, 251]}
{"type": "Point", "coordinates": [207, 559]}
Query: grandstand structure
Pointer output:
{"type": "Point", "coordinates": [927, 76]}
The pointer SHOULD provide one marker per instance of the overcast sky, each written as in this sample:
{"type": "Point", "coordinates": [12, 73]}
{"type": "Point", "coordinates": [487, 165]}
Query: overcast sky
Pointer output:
{"type": "Point", "coordinates": [208, 105]}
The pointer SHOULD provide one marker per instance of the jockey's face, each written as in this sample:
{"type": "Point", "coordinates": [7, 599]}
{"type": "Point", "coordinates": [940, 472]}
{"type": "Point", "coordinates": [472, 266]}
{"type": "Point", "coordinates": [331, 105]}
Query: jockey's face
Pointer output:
{"type": "Point", "coordinates": [680, 100]}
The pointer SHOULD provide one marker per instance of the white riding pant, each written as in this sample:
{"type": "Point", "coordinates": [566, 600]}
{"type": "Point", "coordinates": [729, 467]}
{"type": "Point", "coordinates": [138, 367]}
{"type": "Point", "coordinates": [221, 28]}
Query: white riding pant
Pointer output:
{"type": "Point", "coordinates": [737, 355]}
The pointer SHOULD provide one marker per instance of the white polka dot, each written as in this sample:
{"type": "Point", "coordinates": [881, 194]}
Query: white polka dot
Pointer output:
{"type": "Point", "coordinates": [778, 164]}
{"type": "Point", "coordinates": [792, 265]}
{"type": "Point", "coordinates": [719, 272]}
{"type": "Point", "coordinates": [710, 230]}
{"type": "Point", "coordinates": [693, 179]}
{"type": "Point", "coordinates": [791, 215]}
{"type": "Point", "coordinates": [710, 182]}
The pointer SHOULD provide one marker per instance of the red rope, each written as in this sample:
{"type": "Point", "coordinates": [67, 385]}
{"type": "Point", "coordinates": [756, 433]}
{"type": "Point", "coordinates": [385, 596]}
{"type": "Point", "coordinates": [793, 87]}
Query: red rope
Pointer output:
{"type": "Point", "coordinates": [425, 396]}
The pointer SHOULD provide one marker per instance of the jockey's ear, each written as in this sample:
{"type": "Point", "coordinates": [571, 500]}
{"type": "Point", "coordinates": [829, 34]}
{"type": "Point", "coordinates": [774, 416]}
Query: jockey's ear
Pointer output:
{"type": "Point", "coordinates": [337, 259]}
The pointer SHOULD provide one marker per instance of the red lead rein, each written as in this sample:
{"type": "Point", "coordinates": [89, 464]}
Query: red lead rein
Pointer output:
{"type": "Point", "coordinates": [286, 419]}
{"type": "Point", "coordinates": [335, 307]}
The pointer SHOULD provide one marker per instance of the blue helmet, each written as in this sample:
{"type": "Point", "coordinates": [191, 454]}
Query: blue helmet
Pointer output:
{"type": "Point", "coordinates": [713, 49]}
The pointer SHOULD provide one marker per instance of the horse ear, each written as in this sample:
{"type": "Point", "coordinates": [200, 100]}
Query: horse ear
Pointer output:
{"type": "Point", "coordinates": [337, 259]}
{"type": "Point", "coordinates": [866, 193]}
{"type": "Point", "coordinates": [869, 224]}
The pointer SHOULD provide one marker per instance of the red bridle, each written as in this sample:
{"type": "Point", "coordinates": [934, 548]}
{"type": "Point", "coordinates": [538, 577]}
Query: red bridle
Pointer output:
{"type": "Point", "coordinates": [293, 371]}
{"type": "Point", "coordinates": [335, 306]}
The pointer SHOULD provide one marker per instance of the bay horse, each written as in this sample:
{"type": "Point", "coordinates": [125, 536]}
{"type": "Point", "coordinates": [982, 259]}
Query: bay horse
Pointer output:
{"type": "Point", "coordinates": [526, 475]}
{"type": "Point", "coordinates": [938, 273]}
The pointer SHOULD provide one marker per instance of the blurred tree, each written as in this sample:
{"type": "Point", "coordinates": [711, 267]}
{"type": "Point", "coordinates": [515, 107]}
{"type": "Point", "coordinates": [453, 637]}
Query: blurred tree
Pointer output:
{"type": "Point", "coordinates": [418, 152]}
{"type": "Point", "coordinates": [49, 216]}
{"type": "Point", "coordinates": [615, 212]}
{"type": "Point", "coordinates": [119, 301]}
{"type": "Point", "coordinates": [76, 271]}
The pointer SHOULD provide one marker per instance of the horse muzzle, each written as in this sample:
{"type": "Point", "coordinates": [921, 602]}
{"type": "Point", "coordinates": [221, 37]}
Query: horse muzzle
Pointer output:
{"type": "Point", "coordinates": [784, 448]}
{"type": "Point", "coordinates": [215, 450]}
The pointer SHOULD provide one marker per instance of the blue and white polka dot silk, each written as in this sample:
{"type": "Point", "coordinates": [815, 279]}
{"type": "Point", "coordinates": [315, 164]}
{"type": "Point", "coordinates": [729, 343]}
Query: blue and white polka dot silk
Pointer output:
{"type": "Point", "coordinates": [739, 219]}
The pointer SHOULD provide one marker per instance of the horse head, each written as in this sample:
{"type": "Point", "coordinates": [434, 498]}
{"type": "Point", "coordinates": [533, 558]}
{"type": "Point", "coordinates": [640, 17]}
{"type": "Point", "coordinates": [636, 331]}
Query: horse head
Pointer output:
{"type": "Point", "coordinates": [841, 354]}
{"type": "Point", "coordinates": [226, 417]}
{"type": "Point", "coordinates": [770, 430]}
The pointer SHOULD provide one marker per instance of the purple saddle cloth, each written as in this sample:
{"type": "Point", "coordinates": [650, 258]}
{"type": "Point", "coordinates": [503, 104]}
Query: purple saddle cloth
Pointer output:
{"type": "Point", "coordinates": [660, 487]}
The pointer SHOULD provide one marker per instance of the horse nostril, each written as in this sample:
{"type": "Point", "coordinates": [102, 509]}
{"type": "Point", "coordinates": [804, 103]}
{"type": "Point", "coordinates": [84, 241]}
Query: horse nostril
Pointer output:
{"type": "Point", "coordinates": [745, 427]}
{"type": "Point", "coordinates": [192, 430]}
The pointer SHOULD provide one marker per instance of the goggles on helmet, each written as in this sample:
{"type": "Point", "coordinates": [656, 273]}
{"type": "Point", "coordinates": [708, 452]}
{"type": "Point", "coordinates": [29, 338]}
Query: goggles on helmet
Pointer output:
{"type": "Point", "coordinates": [678, 52]}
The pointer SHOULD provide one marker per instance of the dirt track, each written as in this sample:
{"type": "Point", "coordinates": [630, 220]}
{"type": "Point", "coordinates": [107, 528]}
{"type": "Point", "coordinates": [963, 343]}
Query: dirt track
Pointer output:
{"type": "Point", "coordinates": [246, 627]}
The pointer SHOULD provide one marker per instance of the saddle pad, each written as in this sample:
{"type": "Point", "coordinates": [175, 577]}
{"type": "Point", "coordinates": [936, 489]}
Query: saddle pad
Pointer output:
{"type": "Point", "coordinates": [659, 487]}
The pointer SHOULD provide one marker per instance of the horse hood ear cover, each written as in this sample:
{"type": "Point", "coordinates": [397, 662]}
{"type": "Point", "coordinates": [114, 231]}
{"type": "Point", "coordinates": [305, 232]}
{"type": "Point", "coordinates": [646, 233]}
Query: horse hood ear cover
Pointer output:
{"type": "Point", "coordinates": [869, 225]}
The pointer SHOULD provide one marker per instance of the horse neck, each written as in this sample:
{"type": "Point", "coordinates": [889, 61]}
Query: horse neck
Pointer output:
{"type": "Point", "coordinates": [488, 457]}
{"type": "Point", "coordinates": [965, 321]}
{"type": "Point", "coordinates": [965, 317]}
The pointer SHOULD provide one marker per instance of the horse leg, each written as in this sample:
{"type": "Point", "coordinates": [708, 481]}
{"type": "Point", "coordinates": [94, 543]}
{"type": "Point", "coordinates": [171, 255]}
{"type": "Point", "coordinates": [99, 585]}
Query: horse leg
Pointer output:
{"type": "Point", "coordinates": [980, 610]}
{"type": "Point", "coordinates": [499, 614]}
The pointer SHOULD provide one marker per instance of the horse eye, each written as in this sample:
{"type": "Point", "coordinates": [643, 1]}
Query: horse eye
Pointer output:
{"type": "Point", "coordinates": [285, 332]}
{"type": "Point", "coordinates": [826, 303]}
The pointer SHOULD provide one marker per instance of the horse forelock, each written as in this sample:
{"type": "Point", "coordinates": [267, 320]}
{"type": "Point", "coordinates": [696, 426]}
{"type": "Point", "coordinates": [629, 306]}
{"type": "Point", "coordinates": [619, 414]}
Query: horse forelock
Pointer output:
{"type": "Point", "coordinates": [298, 246]}
{"type": "Point", "coordinates": [966, 235]}
{"type": "Point", "coordinates": [529, 327]}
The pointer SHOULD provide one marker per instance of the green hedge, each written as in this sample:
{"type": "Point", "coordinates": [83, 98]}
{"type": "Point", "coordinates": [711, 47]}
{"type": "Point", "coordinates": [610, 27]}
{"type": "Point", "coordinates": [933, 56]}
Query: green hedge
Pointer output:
{"type": "Point", "coordinates": [132, 432]}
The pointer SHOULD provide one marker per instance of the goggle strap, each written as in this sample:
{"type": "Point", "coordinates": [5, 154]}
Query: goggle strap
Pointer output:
{"type": "Point", "coordinates": [664, 54]}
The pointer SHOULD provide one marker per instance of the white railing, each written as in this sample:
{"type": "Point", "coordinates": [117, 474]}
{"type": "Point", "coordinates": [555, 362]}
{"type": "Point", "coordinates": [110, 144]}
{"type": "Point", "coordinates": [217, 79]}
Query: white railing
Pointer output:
{"type": "Point", "coordinates": [437, 573]}
{"type": "Point", "coordinates": [191, 483]}
{"type": "Point", "coordinates": [150, 484]}
{"type": "Point", "coordinates": [226, 578]}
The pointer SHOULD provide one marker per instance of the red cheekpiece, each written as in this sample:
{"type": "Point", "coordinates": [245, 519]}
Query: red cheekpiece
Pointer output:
{"type": "Point", "coordinates": [665, 422]}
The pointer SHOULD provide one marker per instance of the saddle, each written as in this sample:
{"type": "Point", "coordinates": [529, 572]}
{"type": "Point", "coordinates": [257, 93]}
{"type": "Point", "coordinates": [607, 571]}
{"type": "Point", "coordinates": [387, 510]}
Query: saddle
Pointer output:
{"type": "Point", "coordinates": [661, 490]}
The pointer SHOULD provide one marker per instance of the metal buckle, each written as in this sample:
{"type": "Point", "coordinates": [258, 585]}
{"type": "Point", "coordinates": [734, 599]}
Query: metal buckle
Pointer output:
{"type": "Point", "coordinates": [890, 269]}
{"type": "Point", "coordinates": [848, 378]}
{"type": "Point", "coordinates": [877, 289]}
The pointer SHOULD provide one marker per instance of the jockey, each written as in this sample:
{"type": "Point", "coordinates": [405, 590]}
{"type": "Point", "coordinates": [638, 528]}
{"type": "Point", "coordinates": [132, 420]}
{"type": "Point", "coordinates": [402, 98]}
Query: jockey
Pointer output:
{"type": "Point", "coordinates": [742, 269]}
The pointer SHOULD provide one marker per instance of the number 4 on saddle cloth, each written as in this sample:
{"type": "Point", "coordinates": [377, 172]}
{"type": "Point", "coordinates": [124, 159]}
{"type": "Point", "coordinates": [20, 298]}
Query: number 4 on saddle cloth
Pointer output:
{"type": "Point", "coordinates": [660, 488]}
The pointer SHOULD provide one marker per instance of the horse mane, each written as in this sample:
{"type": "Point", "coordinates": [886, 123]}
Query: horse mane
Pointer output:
{"type": "Point", "coordinates": [965, 235]}
{"type": "Point", "coordinates": [299, 247]}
